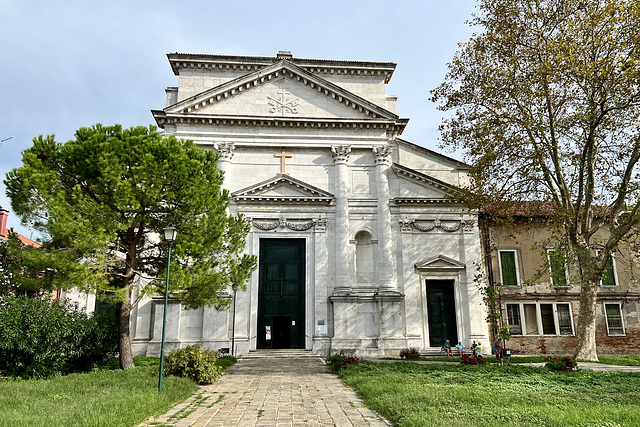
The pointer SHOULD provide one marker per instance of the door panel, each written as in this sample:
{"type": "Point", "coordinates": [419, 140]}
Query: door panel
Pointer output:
{"type": "Point", "coordinates": [281, 294]}
{"type": "Point", "coordinates": [441, 312]}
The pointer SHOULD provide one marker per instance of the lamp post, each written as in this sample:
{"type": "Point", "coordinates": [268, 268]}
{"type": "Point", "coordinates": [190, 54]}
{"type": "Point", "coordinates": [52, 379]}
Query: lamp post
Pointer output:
{"type": "Point", "coordinates": [170, 234]}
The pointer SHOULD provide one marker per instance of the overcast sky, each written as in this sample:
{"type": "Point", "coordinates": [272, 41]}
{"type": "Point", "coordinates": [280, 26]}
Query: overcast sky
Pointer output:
{"type": "Point", "coordinates": [67, 64]}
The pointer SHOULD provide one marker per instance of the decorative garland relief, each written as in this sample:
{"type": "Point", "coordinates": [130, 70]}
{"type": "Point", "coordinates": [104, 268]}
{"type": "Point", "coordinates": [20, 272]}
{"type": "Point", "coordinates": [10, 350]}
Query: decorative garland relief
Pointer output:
{"type": "Point", "coordinates": [407, 225]}
{"type": "Point", "coordinates": [320, 224]}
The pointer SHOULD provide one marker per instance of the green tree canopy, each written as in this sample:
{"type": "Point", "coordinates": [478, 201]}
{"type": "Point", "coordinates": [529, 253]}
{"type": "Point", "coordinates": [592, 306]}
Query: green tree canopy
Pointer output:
{"type": "Point", "coordinates": [545, 103]}
{"type": "Point", "coordinates": [102, 199]}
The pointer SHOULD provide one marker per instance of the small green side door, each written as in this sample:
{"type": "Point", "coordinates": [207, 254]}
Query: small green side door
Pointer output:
{"type": "Point", "coordinates": [441, 312]}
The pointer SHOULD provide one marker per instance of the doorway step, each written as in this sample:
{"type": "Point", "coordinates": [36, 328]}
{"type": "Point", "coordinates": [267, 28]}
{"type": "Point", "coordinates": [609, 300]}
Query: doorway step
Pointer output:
{"type": "Point", "coordinates": [278, 354]}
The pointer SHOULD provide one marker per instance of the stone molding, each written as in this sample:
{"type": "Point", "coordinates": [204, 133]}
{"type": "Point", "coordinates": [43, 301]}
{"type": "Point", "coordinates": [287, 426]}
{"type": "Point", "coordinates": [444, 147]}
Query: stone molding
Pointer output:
{"type": "Point", "coordinates": [265, 121]}
{"type": "Point", "coordinates": [420, 177]}
{"type": "Point", "coordinates": [319, 224]}
{"type": "Point", "coordinates": [234, 63]}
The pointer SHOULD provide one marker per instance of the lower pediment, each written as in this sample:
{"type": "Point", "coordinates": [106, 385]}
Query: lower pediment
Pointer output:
{"type": "Point", "coordinates": [282, 189]}
{"type": "Point", "coordinates": [440, 263]}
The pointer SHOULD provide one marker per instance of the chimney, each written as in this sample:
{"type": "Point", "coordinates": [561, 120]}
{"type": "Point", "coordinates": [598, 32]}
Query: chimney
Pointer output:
{"type": "Point", "coordinates": [4, 215]}
{"type": "Point", "coordinates": [284, 54]}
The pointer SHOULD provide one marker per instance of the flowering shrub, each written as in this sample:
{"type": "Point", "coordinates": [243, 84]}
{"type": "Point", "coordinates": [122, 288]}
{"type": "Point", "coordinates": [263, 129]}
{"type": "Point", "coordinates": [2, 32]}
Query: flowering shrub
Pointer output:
{"type": "Point", "coordinates": [560, 363]}
{"type": "Point", "coordinates": [407, 351]}
{"type": "Point", "coordinates": [476, 359]}
{"type": "Point", "coordinates": [341, 361]}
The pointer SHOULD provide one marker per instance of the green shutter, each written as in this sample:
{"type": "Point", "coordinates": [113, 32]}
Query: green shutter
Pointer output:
{"type": "Point", "coordinates": [558, 272]}
{"type": "Point", "coordinates": [608, 277]}
{"type": "Point", "coordinates": [508, 265]}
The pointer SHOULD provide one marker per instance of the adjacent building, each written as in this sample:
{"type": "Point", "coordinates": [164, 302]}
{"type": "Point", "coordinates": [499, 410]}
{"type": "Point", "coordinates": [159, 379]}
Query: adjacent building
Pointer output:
{"type": "Point", "coordinates": [540, 290]}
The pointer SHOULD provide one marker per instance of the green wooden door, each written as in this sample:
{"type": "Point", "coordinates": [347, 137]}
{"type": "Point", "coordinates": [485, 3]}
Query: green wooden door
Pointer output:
{"type": "Point", "coordinates": [441, 311]}
{"type": "Point", "coordinates": [281, 294]}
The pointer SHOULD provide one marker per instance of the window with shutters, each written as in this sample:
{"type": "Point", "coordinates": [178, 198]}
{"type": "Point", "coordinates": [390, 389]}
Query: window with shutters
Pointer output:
{"type": "Point", "coordinates": [557, 267]}
{"type": "Point", "coordinates": [509, 268]}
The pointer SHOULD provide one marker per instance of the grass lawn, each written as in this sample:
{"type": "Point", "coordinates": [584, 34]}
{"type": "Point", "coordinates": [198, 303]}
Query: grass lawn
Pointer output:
{"type": "Point", "coordinates": [626, 360]}
{"type": "Point", "coordinates": [108, 397]}
{"type": "Point", "coordinates": [410, 394]}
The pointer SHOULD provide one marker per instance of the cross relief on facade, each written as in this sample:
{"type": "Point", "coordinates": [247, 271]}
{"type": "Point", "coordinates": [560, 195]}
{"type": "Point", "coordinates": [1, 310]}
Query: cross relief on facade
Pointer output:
{"type": "Point", "coordinates": [283, 104]}
{"type": "Point", "coordinates": [283, 157]}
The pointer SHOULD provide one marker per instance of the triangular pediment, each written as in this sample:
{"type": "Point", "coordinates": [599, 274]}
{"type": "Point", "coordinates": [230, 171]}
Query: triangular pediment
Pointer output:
{"type": "Point", "coordinates": [281, 90]}
{"type": "Point", "coordinates": [416, 187]}
{"type": "Point", "coordinates": [440, 263]}
{"type": "Point", "coordinates": [282, 189]}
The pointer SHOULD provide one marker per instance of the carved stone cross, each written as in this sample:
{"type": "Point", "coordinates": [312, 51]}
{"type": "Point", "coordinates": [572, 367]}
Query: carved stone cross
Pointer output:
{"type": "Point", "coordinates": [283, 156]}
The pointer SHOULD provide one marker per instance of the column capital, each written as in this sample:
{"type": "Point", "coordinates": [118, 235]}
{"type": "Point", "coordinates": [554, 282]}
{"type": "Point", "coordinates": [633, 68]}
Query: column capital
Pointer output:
{"type": "Point", "coordinates": [381, 153]}
{"type": "Point", "coordinates": [341, 153]}
{"type": "Point", "coordinates": [225, 149]}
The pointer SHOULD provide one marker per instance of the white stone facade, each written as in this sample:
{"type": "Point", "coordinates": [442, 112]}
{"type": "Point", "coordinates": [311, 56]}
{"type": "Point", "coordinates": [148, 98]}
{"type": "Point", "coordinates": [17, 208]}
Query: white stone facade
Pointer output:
{"type": "Point", "coordinates": [311, 155]}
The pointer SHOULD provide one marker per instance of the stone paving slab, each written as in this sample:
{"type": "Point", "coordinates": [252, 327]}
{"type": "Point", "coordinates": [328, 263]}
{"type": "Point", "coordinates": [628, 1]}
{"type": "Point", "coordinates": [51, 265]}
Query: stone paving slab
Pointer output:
{"type": "Point", "coordinates": [273, 392]}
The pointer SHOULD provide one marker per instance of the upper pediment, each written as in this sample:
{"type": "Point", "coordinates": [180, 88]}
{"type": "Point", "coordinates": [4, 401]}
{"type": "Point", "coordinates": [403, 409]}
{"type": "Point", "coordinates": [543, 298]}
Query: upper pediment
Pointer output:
{"type": "Point", "coordinates": [440, 263]}
{"type": "Point", "coordinates": [416, 187]}
{"type": "Point", "coordinates": [282, 189]}
{"type": "Point", "coordinates": [281, 90]}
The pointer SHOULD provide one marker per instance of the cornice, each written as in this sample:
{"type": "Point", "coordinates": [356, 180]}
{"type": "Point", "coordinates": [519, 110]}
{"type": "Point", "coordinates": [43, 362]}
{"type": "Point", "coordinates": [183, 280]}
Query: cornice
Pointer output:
{"type": "Point", "coordinates": [418, 176]}
{"type": "Point", "coordinates": [419, 201]}
{"type": "Point", "coordinates": [163, 118]}
{"type": "Point", "coordinates": [180, 61]}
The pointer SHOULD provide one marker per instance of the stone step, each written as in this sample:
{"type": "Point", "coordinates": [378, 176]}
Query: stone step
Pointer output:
{"type": "Point", "coordinates": [278, 353]}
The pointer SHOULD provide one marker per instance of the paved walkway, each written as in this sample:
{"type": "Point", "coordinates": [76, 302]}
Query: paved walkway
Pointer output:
{"type": "Point", "coordinates": [286, 391]}
{"type": "Point", "coordinates": [273, 392]}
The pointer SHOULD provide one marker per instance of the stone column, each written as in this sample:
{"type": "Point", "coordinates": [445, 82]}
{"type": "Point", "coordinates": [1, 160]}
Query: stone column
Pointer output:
{"type": "Point", "coordinates": [224, 162]}
{"type": "Point", "coordinates": [341, 157]}
{"type": "Point", "coordinates": [386, 254]}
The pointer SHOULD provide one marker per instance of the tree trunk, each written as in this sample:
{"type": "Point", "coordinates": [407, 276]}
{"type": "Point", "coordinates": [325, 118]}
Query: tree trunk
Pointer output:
{"type": "Point", "coordinates": [124, 338]}
{"type": "Point", "coordinates": [586, 330]}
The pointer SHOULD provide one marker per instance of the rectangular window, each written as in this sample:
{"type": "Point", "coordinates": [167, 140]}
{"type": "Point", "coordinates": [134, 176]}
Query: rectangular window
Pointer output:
{"type": "Point", "coordinates": [531, 319]}
{"type": "Point", "coordinates": [513, 314]}
{"type": "Point", "coordinates": [508, 268]}
{"type": "Point", "coordinates": [564, 319]}
{"type": "Point", "coordinates": [557, 268]}
{"type": "Point", "coordinates": [549, 318]}
{"type": "Point", "coordinates": [609, 276]}
{"type": "Point", "coordinates": [615, 325]}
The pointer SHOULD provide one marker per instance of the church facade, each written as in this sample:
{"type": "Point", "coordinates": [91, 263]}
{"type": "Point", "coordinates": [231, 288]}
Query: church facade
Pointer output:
{"type": "Point", "coordinates": [358, 247]}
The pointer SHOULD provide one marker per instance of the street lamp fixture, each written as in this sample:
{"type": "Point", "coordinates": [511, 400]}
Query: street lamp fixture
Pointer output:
{"type": "Point", "coordinates": [170, 234]}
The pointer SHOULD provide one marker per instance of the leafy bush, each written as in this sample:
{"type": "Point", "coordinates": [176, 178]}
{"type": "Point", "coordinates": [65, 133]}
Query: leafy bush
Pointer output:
{"type": "Point", "coordinates": [193, 362]}
{"type": "Point", "coordinates": [40, 338]}
{"type": "Point", "coordinates": [476, 359]}
{"type": "Point", "coordinates": [560, 363]}
{"type": "Point", "coordinates": [341, 361]}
